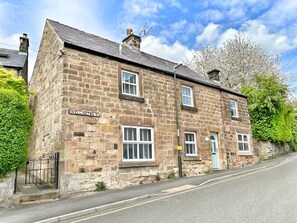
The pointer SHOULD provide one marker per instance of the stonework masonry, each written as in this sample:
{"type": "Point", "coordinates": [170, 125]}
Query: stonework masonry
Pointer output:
{"type": "Point", "coordinates": [91, 147]}
{"type": "Point", "coordinates": [7, 198]}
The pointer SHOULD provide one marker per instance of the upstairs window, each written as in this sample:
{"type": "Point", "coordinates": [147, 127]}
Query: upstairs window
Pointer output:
{"type": "Point", "coordinates": [233, 107]}
{"type": "Point", "coordinates": [190, 144]}
{"type": "Point", "coordinates": [129, 83]}
{"type": "Point", "coordinates": [187, 96]}
{"type": "Point", "coordinates": [138, 143]}
{"type": "Point", "coordinates": [243, 142]}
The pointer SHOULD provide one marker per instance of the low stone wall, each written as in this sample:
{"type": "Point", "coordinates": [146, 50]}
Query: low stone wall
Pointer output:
{"type": "Point", "coordinates": [6, 191]}
{"type": "Point", "coordinates": [266, 150]}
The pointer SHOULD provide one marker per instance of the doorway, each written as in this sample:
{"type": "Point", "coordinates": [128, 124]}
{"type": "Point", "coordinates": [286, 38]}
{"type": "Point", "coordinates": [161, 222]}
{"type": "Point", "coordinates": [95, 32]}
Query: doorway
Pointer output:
{"type": "Point", "coordinates": [214, 150]}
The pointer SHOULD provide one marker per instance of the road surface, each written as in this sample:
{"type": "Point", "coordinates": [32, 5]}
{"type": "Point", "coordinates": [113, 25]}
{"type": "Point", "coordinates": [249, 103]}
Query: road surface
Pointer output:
{"type": "Point", "coordinates": [268, 195]}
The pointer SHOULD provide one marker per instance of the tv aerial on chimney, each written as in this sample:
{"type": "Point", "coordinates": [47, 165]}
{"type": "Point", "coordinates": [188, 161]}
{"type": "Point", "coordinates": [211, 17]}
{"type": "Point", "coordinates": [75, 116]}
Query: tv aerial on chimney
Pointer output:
{"type": "Point", "coordinates": [144, 32]}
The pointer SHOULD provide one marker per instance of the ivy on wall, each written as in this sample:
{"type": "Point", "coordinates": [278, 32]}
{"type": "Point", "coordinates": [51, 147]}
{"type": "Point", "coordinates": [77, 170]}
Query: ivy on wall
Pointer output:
{"type": "Point", "coordinates": [15, 122]}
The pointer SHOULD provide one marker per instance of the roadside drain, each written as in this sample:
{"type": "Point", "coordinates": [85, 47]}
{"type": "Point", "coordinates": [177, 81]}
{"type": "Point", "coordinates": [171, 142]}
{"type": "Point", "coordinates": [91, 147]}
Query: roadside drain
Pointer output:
{"type": "Point", "coordinates": [178, 189]}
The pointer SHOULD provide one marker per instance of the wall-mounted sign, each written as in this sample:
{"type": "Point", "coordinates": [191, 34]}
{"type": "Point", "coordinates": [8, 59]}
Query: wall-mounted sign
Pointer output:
{"type": "Point", "coordinates": [81, 134]}
{"type": "Point", "coordinates": [84, 113]}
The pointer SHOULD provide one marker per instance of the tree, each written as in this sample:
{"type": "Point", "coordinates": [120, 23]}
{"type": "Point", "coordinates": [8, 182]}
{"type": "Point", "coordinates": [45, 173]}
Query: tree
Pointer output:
{"type": "Point", "coordinates": [15, 122]}
{"type": "Point", "coordinates": [272, 118]}
{"type": "Point", "coordinates": [239, 61]}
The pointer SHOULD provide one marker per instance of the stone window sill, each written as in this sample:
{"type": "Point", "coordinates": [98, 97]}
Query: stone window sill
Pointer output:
{"type": "Point", "coordinates": [189, 108]}
{"type": "Point", "coordinates": [131, 98]}
{"type": "Point", "coordinates": [138, 164]}
{"type": "Point", "coordinates": [192, 158]}
{"type": "Point", "coordinates": [236, 119]}
{"type": "Point", "coordinates": [245, 153]}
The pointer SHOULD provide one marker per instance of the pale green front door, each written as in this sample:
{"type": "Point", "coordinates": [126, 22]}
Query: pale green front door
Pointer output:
{"type": "Point", "coordinates": [214, 150]}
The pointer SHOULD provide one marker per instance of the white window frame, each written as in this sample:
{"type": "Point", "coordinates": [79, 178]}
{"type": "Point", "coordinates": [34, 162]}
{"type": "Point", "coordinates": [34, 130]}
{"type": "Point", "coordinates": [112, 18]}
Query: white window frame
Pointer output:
{"type": "Point", "coordinates": [123, 82]}
{"type": "Point", "coordinates": [191, 96]}
{"type": "Point", "coordinates": [243, 142]}
{"type": "Point", "coordinates": [192, 143]}
{"type": "Point", "coordinates": [137, 142]}
{"type": "Point", "coordinates": [233, 109]}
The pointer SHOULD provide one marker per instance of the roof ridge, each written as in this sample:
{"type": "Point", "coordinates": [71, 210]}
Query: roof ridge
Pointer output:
{"type": "Point", "coordinates": [50, 20]}
{"type": "Point", "coordinates": [77, 37]}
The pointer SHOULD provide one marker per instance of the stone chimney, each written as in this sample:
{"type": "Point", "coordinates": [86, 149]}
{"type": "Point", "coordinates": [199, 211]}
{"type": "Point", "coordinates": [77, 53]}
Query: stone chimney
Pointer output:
{"type": "Point", "coordinates": [132, 41]}
{"type": "Point", "coordinates": [24, 43]}
{"type": "Point", "coordinates": [214, 75]}
{"type": "Point", "coordinates": [24, 48]}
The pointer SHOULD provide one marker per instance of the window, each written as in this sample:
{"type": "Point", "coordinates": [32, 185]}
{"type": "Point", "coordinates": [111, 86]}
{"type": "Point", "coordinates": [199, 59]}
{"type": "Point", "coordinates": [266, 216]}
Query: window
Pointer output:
{"type": "Point", "coordinates": [233, 107]}
{"type": "Point", "coordinates": [190, 144]}
{"type": "Point", "coordinates": [129, 83]}
{"type": "Point", "coordinates": [138, 143]}
{"type": "Point", "coordinates": [187, 96]}
{"type": "Point", "coordinates": [243, 142]}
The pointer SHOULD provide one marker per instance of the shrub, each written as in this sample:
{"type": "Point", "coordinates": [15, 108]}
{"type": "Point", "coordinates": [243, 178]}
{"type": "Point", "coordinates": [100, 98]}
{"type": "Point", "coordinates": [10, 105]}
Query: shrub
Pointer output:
{"type": "Point", "coordinates": [101, 186]}
{"type": "Point", "coordinates": [15, 123]}
{"type": "Point", "coordinates": [171, 175]}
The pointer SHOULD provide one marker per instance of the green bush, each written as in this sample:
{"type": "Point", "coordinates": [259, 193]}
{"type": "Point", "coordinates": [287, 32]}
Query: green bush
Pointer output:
{"type": "Point", "coordinates": [101, 186]}
{"type": "Point", "coordinates": [272, 118]}
{"type": "Point", "coordinates": [171, 175]}
{"type": "Point", "coordinates": [15, 123]}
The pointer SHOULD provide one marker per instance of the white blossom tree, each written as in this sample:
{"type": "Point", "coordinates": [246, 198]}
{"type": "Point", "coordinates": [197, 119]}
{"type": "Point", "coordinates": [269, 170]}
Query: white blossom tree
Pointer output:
{"type": "Point", "coordinates": [239, 60]}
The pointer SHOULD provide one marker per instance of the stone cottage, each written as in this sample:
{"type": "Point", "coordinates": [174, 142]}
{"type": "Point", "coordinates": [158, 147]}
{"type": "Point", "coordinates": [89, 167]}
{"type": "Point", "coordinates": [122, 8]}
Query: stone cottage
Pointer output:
{"type": "Point", "coordinates": [116, 115]}
{"type": "Point", "coordinates": [17, 60]}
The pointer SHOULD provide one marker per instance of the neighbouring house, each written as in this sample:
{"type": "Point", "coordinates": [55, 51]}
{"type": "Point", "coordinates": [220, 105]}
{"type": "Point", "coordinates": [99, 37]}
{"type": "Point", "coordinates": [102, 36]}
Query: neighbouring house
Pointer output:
{"type": "Point", "coordinates": [110, 110]}
{"type": "Point", "coordinates": [17, 60]}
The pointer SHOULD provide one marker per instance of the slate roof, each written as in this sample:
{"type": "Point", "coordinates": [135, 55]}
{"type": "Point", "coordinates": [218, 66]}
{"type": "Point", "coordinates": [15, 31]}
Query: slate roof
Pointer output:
{"type": "Point", "coordinates": [93, 43]}
{"type": "Point", "coordinates": [12, 58]}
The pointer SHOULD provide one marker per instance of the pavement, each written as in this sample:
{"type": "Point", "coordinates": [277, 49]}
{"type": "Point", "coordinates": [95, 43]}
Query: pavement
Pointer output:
{"type": "Point", "coordinates": [68, 208]}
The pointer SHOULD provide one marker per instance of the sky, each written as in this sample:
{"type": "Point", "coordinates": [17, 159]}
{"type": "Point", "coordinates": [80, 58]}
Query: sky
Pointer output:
{"type": "Point", "coordinates": [176, 28]}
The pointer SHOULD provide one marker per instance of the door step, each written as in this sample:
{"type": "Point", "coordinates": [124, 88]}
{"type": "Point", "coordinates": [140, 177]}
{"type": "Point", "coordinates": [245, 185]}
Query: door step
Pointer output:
{"type": "Point", "coordinates": [33, 194]}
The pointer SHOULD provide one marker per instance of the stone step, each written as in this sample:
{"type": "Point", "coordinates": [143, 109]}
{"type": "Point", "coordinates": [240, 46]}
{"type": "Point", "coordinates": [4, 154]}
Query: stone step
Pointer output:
{"type": "Point", "coordinates": [34, 193]}
{"type": "Point", "coordinates": [39, 197]}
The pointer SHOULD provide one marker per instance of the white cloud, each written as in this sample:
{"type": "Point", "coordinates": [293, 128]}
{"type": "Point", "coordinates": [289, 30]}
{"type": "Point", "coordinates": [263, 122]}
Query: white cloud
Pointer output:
{"type": "Point", "coordinates": [280, 13]}
{"type": "Point", "coordinates": [236, 13]}
{"type": "Point", "coordinates": [209, 34]}
{"type": "Point", "coordinates": [213, 15]}
{"type": "Point", "coordinates": [176, 4]}
{"type": "Point", "coordinates": [273, 42]}
{"type": "Point", "coordinates": [158, 47]}
{"type": "Point", "coordinates": [179, 24]}
{"type": "Point", "coordinates": [228, 34]}
{"type": "Point", "coordinates": [144, 8]}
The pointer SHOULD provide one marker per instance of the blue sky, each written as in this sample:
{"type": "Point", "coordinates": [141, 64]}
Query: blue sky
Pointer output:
{"type": "Point", "coordinates": [179, 27]}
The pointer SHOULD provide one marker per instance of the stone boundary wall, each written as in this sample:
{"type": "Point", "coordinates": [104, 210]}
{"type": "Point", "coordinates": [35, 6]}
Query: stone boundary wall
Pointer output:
{"type": "Point", "coordinates": [266, 150]}
{"type": "Point", "coordinates": [6, 191]}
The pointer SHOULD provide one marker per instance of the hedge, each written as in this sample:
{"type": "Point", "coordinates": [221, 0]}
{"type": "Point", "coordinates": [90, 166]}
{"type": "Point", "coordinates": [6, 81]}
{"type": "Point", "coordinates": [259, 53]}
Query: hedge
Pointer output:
{"type": "Point", "coordinates": [15, 124]}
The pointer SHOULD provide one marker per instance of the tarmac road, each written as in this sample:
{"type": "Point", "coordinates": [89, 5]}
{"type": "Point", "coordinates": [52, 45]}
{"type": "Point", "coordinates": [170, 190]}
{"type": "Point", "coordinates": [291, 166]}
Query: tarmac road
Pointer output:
{"type": "Point", "coordinates": [206, 201]}
{"type": "Point", "coordinates": [267, 195]}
